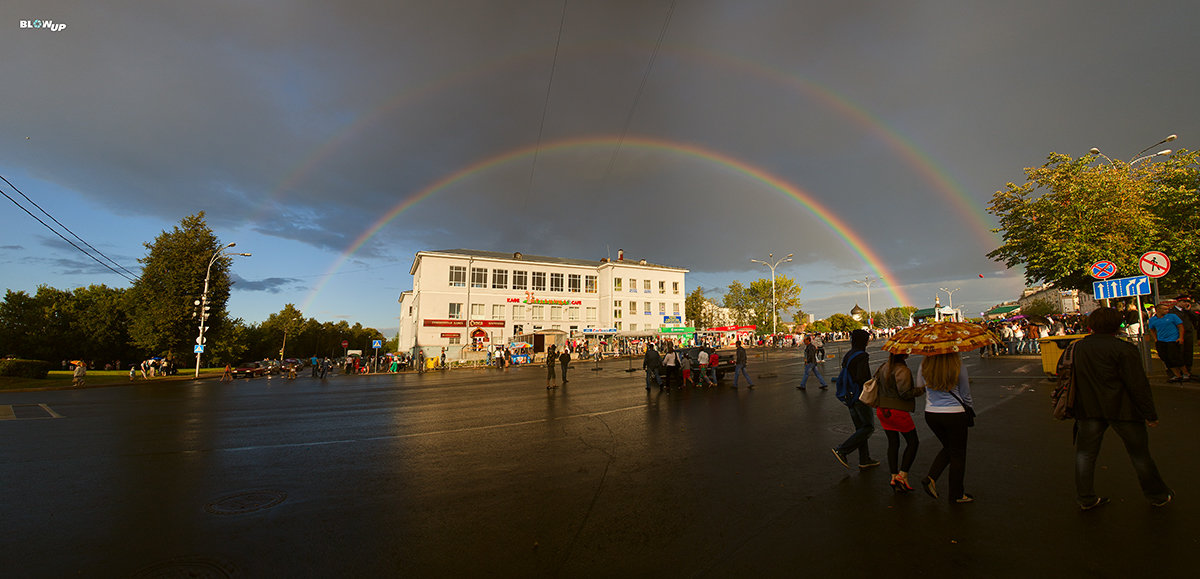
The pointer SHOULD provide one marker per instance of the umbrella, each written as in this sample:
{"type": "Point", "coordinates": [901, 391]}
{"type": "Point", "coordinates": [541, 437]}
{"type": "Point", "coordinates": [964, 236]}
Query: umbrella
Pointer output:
{"type": "Point", "coordinates": [1043, 320]}
{"type": "Point", "coordinates": [520, 345]}
{"type": "Point", "coordinates": [940, 338]}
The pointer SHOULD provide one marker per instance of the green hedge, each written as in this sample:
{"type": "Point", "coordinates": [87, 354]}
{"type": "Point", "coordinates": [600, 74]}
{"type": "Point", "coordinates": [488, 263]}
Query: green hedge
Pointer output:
{"type": "Point", "coordinates": [24, 368]}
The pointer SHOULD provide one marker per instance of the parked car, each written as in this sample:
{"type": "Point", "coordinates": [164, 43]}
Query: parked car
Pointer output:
{"type": "Point", "coordinates": [249, 370]}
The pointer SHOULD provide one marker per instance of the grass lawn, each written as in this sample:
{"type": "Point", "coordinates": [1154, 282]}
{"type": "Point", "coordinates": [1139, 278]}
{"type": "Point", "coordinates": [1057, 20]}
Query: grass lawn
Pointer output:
{"type": "Point", "coordinates": [62, 379]}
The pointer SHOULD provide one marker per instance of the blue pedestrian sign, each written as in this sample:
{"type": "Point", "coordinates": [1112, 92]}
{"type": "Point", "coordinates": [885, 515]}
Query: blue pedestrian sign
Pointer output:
{"type": "Point", "coordinates": [1122, 288]}
{"type": "Point", "coordinates": [377, 344]}
{"type": "Point", "coordinates": [199, 349]}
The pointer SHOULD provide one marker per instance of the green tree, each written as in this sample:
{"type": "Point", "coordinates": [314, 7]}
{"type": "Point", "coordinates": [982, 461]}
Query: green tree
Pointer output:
{"type": "Point", "coordinates": [820, 326]}
{"type": "Point", "coordinates": [758, 295]}
{"type": "Point", "coordinates": [1071, 213]}
{"type": "Point", "coordinates": [695, 310]}
{"type": "Point", "coordinates": [896, 316]}
{"type": "Point", "coordinates": [288, 322]}
{"type": "Point", "coordinates": [737, 301]}
{"type": "Point", "coordinates": [1041, 307]}
{"type": "Point", "coordinates": [843, 323]}
{"type": "Point", "coordinates": [160, 303]}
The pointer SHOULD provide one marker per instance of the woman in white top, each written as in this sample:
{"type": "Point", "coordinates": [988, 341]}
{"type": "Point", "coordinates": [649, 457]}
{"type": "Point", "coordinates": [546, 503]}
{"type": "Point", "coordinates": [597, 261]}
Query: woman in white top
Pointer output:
{"type": "Point", "coordinates": [948, 413]}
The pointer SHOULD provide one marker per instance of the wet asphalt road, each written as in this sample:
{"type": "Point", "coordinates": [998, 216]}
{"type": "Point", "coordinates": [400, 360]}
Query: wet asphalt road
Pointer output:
{"type": "Point", "coordinates": [485, 472]}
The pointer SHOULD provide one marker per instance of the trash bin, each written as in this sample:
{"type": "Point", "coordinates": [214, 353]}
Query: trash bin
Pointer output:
{"type": "Point", "coordinates": [431, 363]}
{"type": "Point", "coordinates": [1052, 349]}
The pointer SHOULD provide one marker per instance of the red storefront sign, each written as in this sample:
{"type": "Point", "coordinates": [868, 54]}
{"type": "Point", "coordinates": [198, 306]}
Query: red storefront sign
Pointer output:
{"type": "Point", "coordinates": [449, 335]}
{"type": "Point", "coordinates": [487, 323]}
{"type": "Point", "coordinates": [445, 323]}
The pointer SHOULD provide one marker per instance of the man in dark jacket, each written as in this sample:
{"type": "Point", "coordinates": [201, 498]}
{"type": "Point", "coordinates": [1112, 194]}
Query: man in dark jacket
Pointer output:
{"type": "Point", "coordinates": [651, 363]}
{"type": "Point", "coordinates": [564, 360]}
{"type": "Point", "coordinates": [1183, 309]}
{"type": "Point", "coordinates": [739, 365]}
{"type": "Point", "coordinates": [855, 362]}
{"type": "Point", "coordinates": [1111, 389]}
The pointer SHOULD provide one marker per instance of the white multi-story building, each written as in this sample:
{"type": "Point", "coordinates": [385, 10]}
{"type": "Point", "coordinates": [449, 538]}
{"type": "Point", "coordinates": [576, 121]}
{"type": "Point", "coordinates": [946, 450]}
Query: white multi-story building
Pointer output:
{"type": "Point", "coordinates": [463, 297]}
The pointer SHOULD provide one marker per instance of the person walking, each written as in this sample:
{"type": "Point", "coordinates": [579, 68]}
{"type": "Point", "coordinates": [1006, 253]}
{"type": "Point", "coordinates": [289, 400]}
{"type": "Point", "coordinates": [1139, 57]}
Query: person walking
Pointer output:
{"type": "Point", "coordinates": [856, 365]}
{"type": "Point", "coordinates": [810, 365]}
{"type": "Point", "coordinates": [79, 376]}
{"type": "Point", "coordinates": [894, 409]}
{"type": "Point", "coordinates": [947, 404]}
{"type": "Point", "coordinates": [1183, 310]}
{"type": "Point", "coordinates": [714, 362]}
{"type": "Point", "coordinates": [551, 360]}
{"type": "Point", "coordinates": [1111, 390]}
{"type": "Point", "coordinates": [702, 367]}
{"type": "Point", "coordinates": [227, 375]}
{"type": "Point", "coordinates": [1166, 331]}
{"type": "Point", "coordinates": [564, 359]}
{"type": "Point", "coordinates": [651, 363]}
{"type": "Point", "coordinates": [739, 365]}
{"type": "Point", "coordinates": [670, 364]}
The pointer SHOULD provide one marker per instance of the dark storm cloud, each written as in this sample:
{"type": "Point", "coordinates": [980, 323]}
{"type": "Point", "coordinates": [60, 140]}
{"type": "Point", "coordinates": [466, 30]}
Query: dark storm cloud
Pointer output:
{"type": "Point", "coordinates": [271, 285]}
{"type": "Point", "coordinates": [312, 121]}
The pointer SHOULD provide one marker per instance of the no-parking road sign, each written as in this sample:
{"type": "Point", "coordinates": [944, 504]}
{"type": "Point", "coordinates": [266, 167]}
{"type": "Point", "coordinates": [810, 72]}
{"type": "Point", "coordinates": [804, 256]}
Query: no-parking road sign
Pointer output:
{"type": "Point", "coordinates": [1104, 269]}
{"type": "Point", "coordinates": [1154, 264]}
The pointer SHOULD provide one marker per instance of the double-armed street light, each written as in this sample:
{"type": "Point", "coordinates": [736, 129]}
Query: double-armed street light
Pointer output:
{"type": "Point", "coordinates": [202, 303]}
{"type": "Point", "coordinates": [1141, 156]}
{"type": "Point", "coordinates": [767, 263]}
{"type": "Point", "coordinates": [950, 294]}
{"type": "Point", "coordinates": [867, 281]}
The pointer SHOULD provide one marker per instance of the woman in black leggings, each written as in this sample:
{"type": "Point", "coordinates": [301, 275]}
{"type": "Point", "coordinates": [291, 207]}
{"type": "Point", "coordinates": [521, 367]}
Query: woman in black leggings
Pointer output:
{"type": "Point", "coordinates": [895, 407]}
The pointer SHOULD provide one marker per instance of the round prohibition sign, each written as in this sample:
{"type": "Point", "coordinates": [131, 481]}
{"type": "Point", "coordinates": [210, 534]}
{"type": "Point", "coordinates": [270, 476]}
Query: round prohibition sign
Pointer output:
{"type": "Point", "coordinates": [1154, 264]}
{"type": "Point", "coordinates": [1104, 269]}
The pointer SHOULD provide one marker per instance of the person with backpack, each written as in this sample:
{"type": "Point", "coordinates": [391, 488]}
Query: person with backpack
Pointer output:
{"type": "Point", "coordinates": [894, 409]}
{"type": "Point", "coordinates": [856, 370]}
{"type": "Point", "coordinates": [551, 360]}
{"type": "Point", "coordinates": [1111, 390]}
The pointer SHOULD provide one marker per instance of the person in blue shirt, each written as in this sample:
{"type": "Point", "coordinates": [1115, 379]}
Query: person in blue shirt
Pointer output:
{"type": "Point", "coordinates": [1166, 330]}
{"type": "Point", "coordinates": [948, 413]}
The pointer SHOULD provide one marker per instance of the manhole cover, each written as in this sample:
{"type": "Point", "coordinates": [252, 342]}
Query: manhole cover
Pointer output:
{"type": "Point", "coordinates": [198, 568]}
{"type": "Point", "coordinates": [246, 502]}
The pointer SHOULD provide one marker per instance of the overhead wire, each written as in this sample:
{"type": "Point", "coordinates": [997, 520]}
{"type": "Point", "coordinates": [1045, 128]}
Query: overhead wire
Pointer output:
{"type": "Point", "coordinates": [54, 231]}
{"type": "Point", "coordinates": [549, 86]}
{"type": "Point", "coordinates": [68, 229]}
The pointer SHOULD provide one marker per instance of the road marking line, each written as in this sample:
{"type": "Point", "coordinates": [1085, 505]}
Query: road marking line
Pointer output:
{"type": "Point", "coordinates": [6, 413]}
{"type": "Point", "coordinates": [52, 413]}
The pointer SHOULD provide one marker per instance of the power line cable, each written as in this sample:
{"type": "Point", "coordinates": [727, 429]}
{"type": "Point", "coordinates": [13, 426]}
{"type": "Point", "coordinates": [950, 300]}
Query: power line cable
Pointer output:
{"type": "Point", "coordinates": [641, 87]}
{"type": "Point", "coordinates": [549, 85]}
{"type": "Point", "coordinates": [68, 229]}
{"type": "Point", "coordinates": [81, 250]}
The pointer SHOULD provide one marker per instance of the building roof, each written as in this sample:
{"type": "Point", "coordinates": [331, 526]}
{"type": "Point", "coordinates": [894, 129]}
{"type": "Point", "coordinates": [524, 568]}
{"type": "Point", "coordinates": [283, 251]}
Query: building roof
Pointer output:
{"type": "Point", "coordinates": [857, 310]}
{"type": "Point", "coordinates": [593, 263]}
{"type": "Point", "coordinates": [1000, 310]}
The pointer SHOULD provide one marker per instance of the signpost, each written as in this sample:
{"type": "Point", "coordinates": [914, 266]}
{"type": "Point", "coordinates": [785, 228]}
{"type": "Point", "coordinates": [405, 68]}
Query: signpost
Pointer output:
{"type": "Point", "coordinates": [1154, 264]}
{"type": "Point", "coordinates": [377, 344]}
{"type": "Point", "coordinates": [1121, 288]}
{"type": "Point", "coordinates": [1103, 269]}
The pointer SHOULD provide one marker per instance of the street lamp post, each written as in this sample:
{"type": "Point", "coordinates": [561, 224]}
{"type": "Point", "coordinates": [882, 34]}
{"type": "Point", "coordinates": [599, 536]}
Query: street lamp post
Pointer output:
{"type": "Point", "coordinates": [773, 266]}
{"type": "Point", "coordinates": [867, 281]}
{"type": "Point", "coordinates": [950, 302]}
{"type": "Point", "coordinates": [202, 303]}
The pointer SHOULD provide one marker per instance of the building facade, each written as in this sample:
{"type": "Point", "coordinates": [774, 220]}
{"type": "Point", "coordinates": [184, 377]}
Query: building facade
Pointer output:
{"type": "Point", "coordinates": [468, 299]}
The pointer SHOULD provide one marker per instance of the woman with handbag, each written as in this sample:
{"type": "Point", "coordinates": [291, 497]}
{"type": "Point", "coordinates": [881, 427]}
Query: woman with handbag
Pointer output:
{"type": "Point", "coordinates": [948, 413]}
{"type": "Point", "coordinates": [894, 408]}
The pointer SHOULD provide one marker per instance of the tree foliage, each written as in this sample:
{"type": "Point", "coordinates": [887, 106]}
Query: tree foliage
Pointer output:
{"type": "Point", "coordinates": [87, 323]}
{"type": "Point", "coordinates": [695, 310]}
{"type": "Point", "coordinates": [161, 301]}
{"type": "Point", "coordinates": [753, 305]}
{"type": "Point", "coordinates": [1071, 213]}
{"type": "Point", "coordinates": [843, 323]}
{"type": "Point", "coordinates": [1041, 307]}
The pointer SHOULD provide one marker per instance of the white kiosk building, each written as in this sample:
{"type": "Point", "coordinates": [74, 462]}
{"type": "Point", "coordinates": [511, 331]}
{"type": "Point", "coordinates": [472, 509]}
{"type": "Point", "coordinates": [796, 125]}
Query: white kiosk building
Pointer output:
{"type": "Point", "coordinates": [466, 299]}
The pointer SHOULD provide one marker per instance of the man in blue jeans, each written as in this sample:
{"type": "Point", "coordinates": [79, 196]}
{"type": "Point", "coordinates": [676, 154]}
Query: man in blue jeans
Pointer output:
{"type": "Point", "coordinates": [855, 362]}
{"type": "Point", "coordinates": [651, 363]}
{"type": "Point", "coordinates": [1111, 390]}
{"type": "Point", "coordinates": [810, 365]}
{"type": "Point", "coordinates": [739, 365]}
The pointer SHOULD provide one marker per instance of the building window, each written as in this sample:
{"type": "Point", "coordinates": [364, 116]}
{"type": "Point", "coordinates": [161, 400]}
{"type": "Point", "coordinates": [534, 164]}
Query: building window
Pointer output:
{"type": "Point", "coordinates": [617, 325]}
{"type": "Point", "coordinates": [589, 284]}
{"type": "Point", "coordinates": [646, 286]}
{"type": "Point", "coordinates": [518, 312]}
{"type": "Point", "coordinates": [662, 287]}
{"type": "Point", "coordinates": [455, 311]}
{"type": "Point", "coordinates": [498, 311]}
{"type": "Point", "coordinates": [520, 279]}
{"type": "Point", "coordinates": [573, 313]}
{"type": "Point", "coordinates": [476, 311]}
{"type": "Point", "coordinates": [617, 284]}
{"type": "Point", "coordinates": [591, 314]}
{"type": "Point", "coordinates": [633, 327]}
{"type": "Point", "coordinates": [573, 282]}
{"type": "Point", "coordinates": [479, 277]}
{"type": "Point", "coordinates": [458, 276]}
{"type": "Point", "coordinates": [675, 287]}
{"type": "Point", "coordinates": [499, 279]}
{"type": "Point", "coordinates": [556, 313]}
{"type": "Point", "coordinates": [647, 308]}
{"type": "Point", "coordinates": [662, 308]}
{"type": "Point", "coordinates": [675, 308]}
{"type": "Point", "coordinates": [556, 282]}
{"type": "Point", "coordinates": [539, 281]}
{"type": "Point", "coordinates": [633, 285]}
{"type": "Point", "coordinates": [633, 308]}
{"type": "Point", "coordinates": [617, 313]}
{"type": "Point", "coordinates": [455, 340]}
{"type": "Point", "coordinates": [538, 312]}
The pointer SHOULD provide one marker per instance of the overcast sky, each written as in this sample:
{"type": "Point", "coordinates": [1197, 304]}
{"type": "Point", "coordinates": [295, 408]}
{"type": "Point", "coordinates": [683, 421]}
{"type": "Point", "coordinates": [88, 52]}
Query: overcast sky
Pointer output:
{"type": "Point", "coordinates": [864, 137]}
